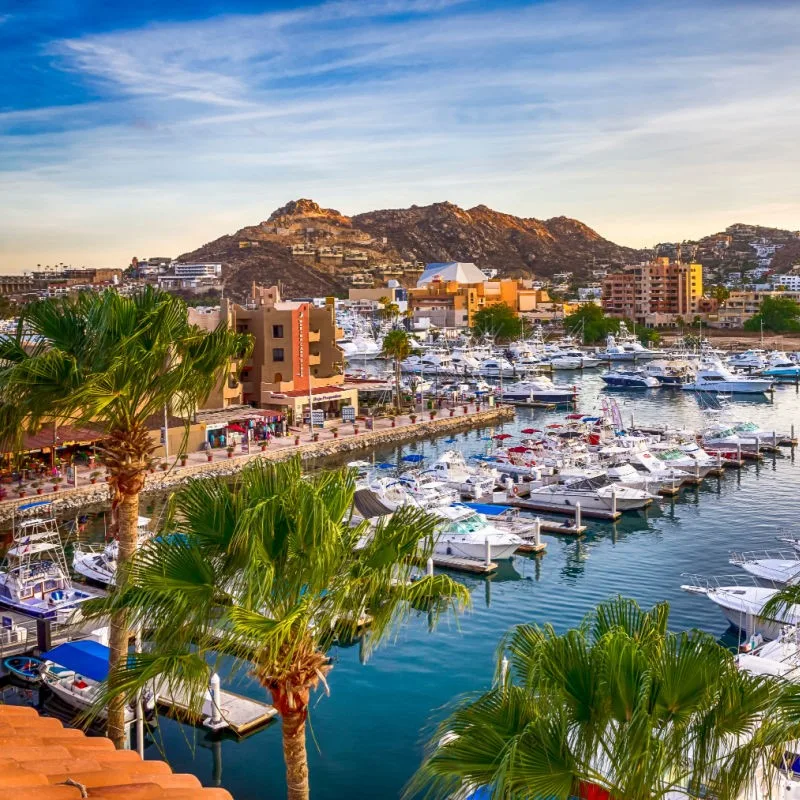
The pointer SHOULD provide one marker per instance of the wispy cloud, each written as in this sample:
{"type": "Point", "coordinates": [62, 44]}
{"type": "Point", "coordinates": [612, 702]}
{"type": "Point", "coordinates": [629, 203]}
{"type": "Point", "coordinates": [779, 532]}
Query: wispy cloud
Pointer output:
{"type": "Point", "coordinates": [648, 122]}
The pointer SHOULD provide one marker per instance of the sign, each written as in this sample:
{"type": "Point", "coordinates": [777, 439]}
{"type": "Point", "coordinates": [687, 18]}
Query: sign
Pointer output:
{"type": "Point", "coordinates": [318, 418]}
{"type": "Point", "coordinates": [349, 414]}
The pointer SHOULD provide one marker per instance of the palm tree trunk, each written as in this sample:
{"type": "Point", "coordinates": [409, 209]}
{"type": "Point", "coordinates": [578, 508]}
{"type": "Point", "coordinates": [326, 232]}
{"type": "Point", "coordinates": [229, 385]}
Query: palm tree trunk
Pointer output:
{"type": "Point", "coordinates": [294, 754]}
{"type": "Point", "coordinates": [127, 515]}
{"type": "Point", "coordinates": [397, 382]}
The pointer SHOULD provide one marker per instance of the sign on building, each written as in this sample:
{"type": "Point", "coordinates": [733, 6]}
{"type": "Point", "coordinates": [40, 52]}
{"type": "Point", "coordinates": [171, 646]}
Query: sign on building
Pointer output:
{"type": "Point", "coordinates": [318, 418]}
{"type": "Point", "coordinates": [349, 414]}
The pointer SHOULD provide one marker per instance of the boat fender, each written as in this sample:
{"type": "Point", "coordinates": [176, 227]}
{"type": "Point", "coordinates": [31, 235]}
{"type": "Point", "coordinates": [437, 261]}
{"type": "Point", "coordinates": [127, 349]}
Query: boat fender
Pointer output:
{"type": "Point", "coordinates": [515, 490]}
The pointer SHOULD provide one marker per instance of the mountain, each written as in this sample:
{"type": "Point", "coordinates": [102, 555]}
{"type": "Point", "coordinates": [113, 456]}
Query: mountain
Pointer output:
{"type": "Point", "coordinates": [312, 250]}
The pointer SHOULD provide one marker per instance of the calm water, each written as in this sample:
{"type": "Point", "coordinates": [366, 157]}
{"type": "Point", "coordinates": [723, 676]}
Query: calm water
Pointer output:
{"type": "Point", "coordinates": [366, 738]}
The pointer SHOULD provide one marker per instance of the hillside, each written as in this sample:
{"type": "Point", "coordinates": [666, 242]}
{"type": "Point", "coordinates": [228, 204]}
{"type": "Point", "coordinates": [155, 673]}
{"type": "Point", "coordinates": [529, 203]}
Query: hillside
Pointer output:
{"type": "Point", "coordinates": [312, 250]}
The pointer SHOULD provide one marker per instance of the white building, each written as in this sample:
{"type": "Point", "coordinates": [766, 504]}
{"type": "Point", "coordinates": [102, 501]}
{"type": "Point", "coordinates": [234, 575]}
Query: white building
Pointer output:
{"type": "Point", "coordinates": [197, 270]}
{"type": "Point", "coordinates": [791, 282]}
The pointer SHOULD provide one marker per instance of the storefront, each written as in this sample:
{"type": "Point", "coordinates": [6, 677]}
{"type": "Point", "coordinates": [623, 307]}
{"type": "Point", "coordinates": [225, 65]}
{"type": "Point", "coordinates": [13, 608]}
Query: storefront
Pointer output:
{"type": "Point", "coordinates": [330, 400]}
{"type": "Point", "coordinates": [233, 426]}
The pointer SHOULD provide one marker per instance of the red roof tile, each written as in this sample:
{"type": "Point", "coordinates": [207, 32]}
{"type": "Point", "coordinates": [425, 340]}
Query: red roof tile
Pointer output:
{"type": "Point", "coordinates": [37, 755]}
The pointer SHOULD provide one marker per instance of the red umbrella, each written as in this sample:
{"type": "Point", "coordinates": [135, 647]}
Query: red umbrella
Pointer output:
{"type": "Point", "coordinates": [502, 436]}
{"type": "Point", "coordinates": [574, 416]}
{"type": "Point", "coordinates": [518, 449]}
{"type": "Point", "coordinates": [236, 428]}
{"type": "Point", "coordinates": [555, 425]}
{"type": "Point", "coordinates": [530, 430]}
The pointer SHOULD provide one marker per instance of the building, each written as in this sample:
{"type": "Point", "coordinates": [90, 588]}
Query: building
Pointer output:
{"type": "Point", "coordinates": [294, 354]}
{"type": "Point", "coordinates": [740, 306]}
{"type": "Point", "coordinates": [654, 293]}
{"type": "Point", "coordinates": [197, 270]}
{"type": "Point", "coordinates": [461, 272]}
{"type": "Point", "coordinates": [452, 304]}
{"type": "Point", "coordinates": [790, 281]}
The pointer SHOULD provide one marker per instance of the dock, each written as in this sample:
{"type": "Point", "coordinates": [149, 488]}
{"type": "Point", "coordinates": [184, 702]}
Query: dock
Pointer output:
{"type": "Point", "coordinates": [475, 565]}
{"type": "Point", "coordinates": [238, 713]}
{"type": "Point", "coordinates": [530, 505]}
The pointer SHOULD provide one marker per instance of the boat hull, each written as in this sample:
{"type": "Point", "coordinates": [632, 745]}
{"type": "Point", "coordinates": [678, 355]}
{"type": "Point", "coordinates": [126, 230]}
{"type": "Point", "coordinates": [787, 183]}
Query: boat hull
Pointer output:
{"type": "Point", "coordinates": [475, 550]}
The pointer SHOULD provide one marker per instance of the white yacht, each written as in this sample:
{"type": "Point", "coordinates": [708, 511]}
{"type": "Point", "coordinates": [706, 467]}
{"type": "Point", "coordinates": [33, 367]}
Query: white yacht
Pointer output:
{"type": "Point", "coordinates": [423, 491]}
{"type": "Point", "coordinates": [36, 579]}
{"type": "Point", "coordinates": [629, 379]}
{"type": "Point", "coordinates": [537, 390]}
{"type": "Point", "coordinates": [690, 458]}
{"type": "Point", "coordinates": [464, 533]}
{"type": "Point", "coordinates": [497, 367]}
{"type": "Point", "coordinates": [779, 365]}
{"type": "Point", "coordinates": [99, 564]}
{"type": "Point", "coordinates": [626, 347]}
{"type": "Point", "coordinates": [432, 362]}
{"type": "Point", "coordinates": [749, 359]}
{"type": "Point", "coordinates": [452, 469]}
{"type": "Point", "coordinates": [594, 494]}
{"type": "Point", "coordinates": [777, 567]}
{"type": "Point", "coordinates": [714, 376]}
{"type": "Point", "coordinates": [574, 359]}
{"type": "Point", "coordinates": [742, 606]}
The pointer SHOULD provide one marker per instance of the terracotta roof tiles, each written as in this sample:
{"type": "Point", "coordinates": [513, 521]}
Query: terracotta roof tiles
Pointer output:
{"type": "Point", "coordinates": [38, 755]}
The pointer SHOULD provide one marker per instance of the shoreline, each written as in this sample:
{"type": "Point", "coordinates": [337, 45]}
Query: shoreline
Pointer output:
{"type": "Point", "coordinates": [74, 498]}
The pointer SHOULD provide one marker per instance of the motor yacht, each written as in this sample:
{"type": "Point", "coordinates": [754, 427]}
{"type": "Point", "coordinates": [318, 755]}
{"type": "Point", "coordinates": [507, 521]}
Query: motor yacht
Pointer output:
{"type": "Point", "coordinates": [537, 390]}
{"type": "Point", "coordinates": [778, 567]}
{"type": "Point", "coordinates": [669, 373]}
{"type": "Point", "coordinates": [36, 579]}
{"type": "Point", "coordinates": [779, 365]}
{"type": "Point", "coordinates": [630, 379]}
{"type": "Point", "coordinates": [99, 564]}
{"type": "Point", "coordinates": [749, 359]}
{"type": "Point", "coordinates": [412, 487]}
{"type": "Point", "coordinates": [597, 493]}
{"type": "Point", "coordinates": [463, 532]}
{"type": "Point", "coordinates": [498, 367]}
{"type": "Point", "coordinates": [626, 347]}
{"type": "Point", "coordinates": [714, 376]}
{"type": "Point", "coordinates": [452, 470]}
{"type": "Point", "coordinates": [742, 605]}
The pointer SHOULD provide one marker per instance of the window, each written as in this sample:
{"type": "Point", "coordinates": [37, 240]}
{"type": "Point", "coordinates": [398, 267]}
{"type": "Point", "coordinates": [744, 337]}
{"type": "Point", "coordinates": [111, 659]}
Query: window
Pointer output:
{"type": "Point", "coordinates": [277, 354]}
{"type": "Point", "coordinates": [277, 331]}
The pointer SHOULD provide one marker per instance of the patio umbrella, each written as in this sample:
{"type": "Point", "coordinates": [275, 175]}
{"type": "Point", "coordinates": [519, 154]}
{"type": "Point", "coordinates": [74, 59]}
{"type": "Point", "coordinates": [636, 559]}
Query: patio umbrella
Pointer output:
{"type": "Point", "coordinates": [502, 436]}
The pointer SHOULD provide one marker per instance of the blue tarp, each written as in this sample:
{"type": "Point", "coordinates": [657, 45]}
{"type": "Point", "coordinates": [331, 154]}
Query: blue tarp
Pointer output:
{"type": "Point", "coordinates": [86, 657]}
{"type": "Point", "coordinates": [414, 459]}
{"type": "Point", "coordinates": [485, 508]}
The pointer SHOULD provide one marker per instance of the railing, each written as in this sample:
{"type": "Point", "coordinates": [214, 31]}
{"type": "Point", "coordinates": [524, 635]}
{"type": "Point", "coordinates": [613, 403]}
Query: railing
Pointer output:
{"type": "Point", "coordinates": [703, 584]}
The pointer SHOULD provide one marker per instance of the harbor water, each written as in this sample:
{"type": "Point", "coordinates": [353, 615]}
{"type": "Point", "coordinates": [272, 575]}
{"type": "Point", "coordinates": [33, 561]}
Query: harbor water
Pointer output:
{"type": "Point", "coordinates": [366, 738]}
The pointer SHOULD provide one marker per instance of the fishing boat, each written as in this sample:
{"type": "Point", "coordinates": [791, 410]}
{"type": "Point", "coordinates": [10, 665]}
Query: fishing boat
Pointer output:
{"type": "Point", "coordinates": [626, 347]}
{"type": "Point", "coordinates": [452, 469]}
{"type": "Point", "coordinates": [100, 564]}
{"type": "Point", "coordinates": [749, 359]}
{"type": "Point", "coordinates": [24, 668]}
{"type": "Point", "coordinates": [74, 672]}
{"type": "Point", "coordinates": [463, 532]}
{"type": "Point", "coordinates": [714, 376]}
{"type": "Point", "coordinates": [630, 379]}
{"type": "Point", "coordinates": [669, 373]}
{"type": "Point", "coordinates": [36, 578]}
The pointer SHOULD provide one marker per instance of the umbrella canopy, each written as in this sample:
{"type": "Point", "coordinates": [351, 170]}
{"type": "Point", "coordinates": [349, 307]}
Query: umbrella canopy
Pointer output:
{"type": "Point", "coordinates": [502, 436]}
{"type": "Point", "coordinates": [518, 449]}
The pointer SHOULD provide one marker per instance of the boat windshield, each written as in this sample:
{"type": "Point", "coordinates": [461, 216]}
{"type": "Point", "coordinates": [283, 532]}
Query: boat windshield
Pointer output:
{"type": "Point", "coordinates": [471, 524]}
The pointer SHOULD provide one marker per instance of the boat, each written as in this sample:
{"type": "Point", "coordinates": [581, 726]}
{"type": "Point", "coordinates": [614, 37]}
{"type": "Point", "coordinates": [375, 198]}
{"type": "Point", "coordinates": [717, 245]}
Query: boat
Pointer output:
{"type": "Point", "coordinates": [779, 657]}
{"type": "Point", "coordinates": [714, 376]}
{"type": "Point", "coordinates": [630, 379]}
{"type": "Point", "coordinates": [423, 491]}
{"type": "Point", "coordinates": [464, 533]}
{"type": "Point", "coordinates": [452, 470]}
{"type": "Point", "coordinates": [24, 668]}
{"type": "Point", "coordinates": [779, 365]}
{"type": "Point", "coordinates": [626, 347]}
{"type": "Point", "coordinates": [776, 567]}
{"type": "Point", "coordinates": [749, 359]}
{"type": "Point", "coordinates": [596, 493]}
{"type": "Point", "coordinates": [100, 564]}
{"type": "Point", "coordinates": [36, 578]}
{"type": "Point", "coordinates": [74, 672]}
{"type": "Point", "coordinates": [668, 373]}
{"type": "Point", "coordinates": [498, 367]}
{"type": "Point", "coordinates": [537, 390]}
{"type": "Point", "coordinates": [742, 606]}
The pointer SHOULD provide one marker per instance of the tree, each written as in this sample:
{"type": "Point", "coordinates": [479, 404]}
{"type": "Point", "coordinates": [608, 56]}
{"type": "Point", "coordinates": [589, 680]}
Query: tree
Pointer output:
{"type": "Point", "coordinates": [592, 322]}
{"type": "Point", "coordinates": [499, 321]}
{"type": "Point", "coordinates": [269, 572]}
{"type": "Point", "coordinates": [620, 705]}
{"type": "Point", "coordinates": [720, 293]}
{"type": "Point", "coordinates": [778, 314]}
{"type": "Point", "coordinates": [397, 346]}
{"type": "Point", "coordinates": [113, 362]}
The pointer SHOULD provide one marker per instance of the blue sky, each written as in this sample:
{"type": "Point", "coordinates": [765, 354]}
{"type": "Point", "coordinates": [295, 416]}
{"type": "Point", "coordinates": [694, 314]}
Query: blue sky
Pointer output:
{"type": "Point", "coordinates": [149, 128]}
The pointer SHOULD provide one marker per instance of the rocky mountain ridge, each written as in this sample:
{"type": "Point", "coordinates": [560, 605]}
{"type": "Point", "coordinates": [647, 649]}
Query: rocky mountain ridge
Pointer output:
{"type": "Point", "coordinates": [313, 250]}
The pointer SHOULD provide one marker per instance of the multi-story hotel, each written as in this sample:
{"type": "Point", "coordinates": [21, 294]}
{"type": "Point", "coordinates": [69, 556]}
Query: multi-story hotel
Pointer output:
{"type": "Point", "coordinates": [295, 354]}
{"type": "Point", "coordinates": [654, 293]}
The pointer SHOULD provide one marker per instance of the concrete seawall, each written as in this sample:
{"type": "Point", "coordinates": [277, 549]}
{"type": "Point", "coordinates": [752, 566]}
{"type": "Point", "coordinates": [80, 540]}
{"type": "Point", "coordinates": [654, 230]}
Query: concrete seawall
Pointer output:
{"type": "Point", "coordinates": [76, 499]}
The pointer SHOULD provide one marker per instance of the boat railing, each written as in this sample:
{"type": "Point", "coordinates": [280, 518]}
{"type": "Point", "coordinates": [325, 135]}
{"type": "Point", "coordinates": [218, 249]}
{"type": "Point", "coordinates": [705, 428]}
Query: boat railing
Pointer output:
{"type": "Point", "coordinates": [740, 558]}
{"type": "Point", "coordinates": [709, 583]}
{"type": "Point", "coordinates": [16, 636]}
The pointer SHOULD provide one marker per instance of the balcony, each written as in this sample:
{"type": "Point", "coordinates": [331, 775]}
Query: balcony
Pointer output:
{"type": "Point", "coordinates": [314, 359]}
{"type": "Point", "coordinates": [313, 336]}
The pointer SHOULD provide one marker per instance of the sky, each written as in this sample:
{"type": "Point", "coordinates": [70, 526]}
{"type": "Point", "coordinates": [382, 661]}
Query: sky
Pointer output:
{"type": "Point", "coordinates": [150, 128]}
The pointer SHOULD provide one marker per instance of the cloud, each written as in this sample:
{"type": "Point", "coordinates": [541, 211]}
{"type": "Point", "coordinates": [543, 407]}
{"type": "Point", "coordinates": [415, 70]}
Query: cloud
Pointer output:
{"type": "Point", "coordinates": [646, 121]}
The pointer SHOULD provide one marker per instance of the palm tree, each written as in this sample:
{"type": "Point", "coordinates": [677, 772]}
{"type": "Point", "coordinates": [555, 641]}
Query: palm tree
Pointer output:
{"type": "Point", "coordinates": [269, 571]}
{"type": "Point", "coordinates": [620, 708]}
{"type": "Point", "coordinates": [111, 361]}
{"type": "Point", "coordinates": [397, 345]}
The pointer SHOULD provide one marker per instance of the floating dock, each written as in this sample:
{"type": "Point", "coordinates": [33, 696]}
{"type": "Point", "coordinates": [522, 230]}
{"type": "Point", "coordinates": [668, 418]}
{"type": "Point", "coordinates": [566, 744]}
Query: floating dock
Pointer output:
{"type": "Point", "coordinates": [530, 505]}
{"type": "Point", "coordinates": [240, 714]}
{"type": "Point", "coordinates": [552, 526]}
{"type": "Point", "coordinates": [475, 565]}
